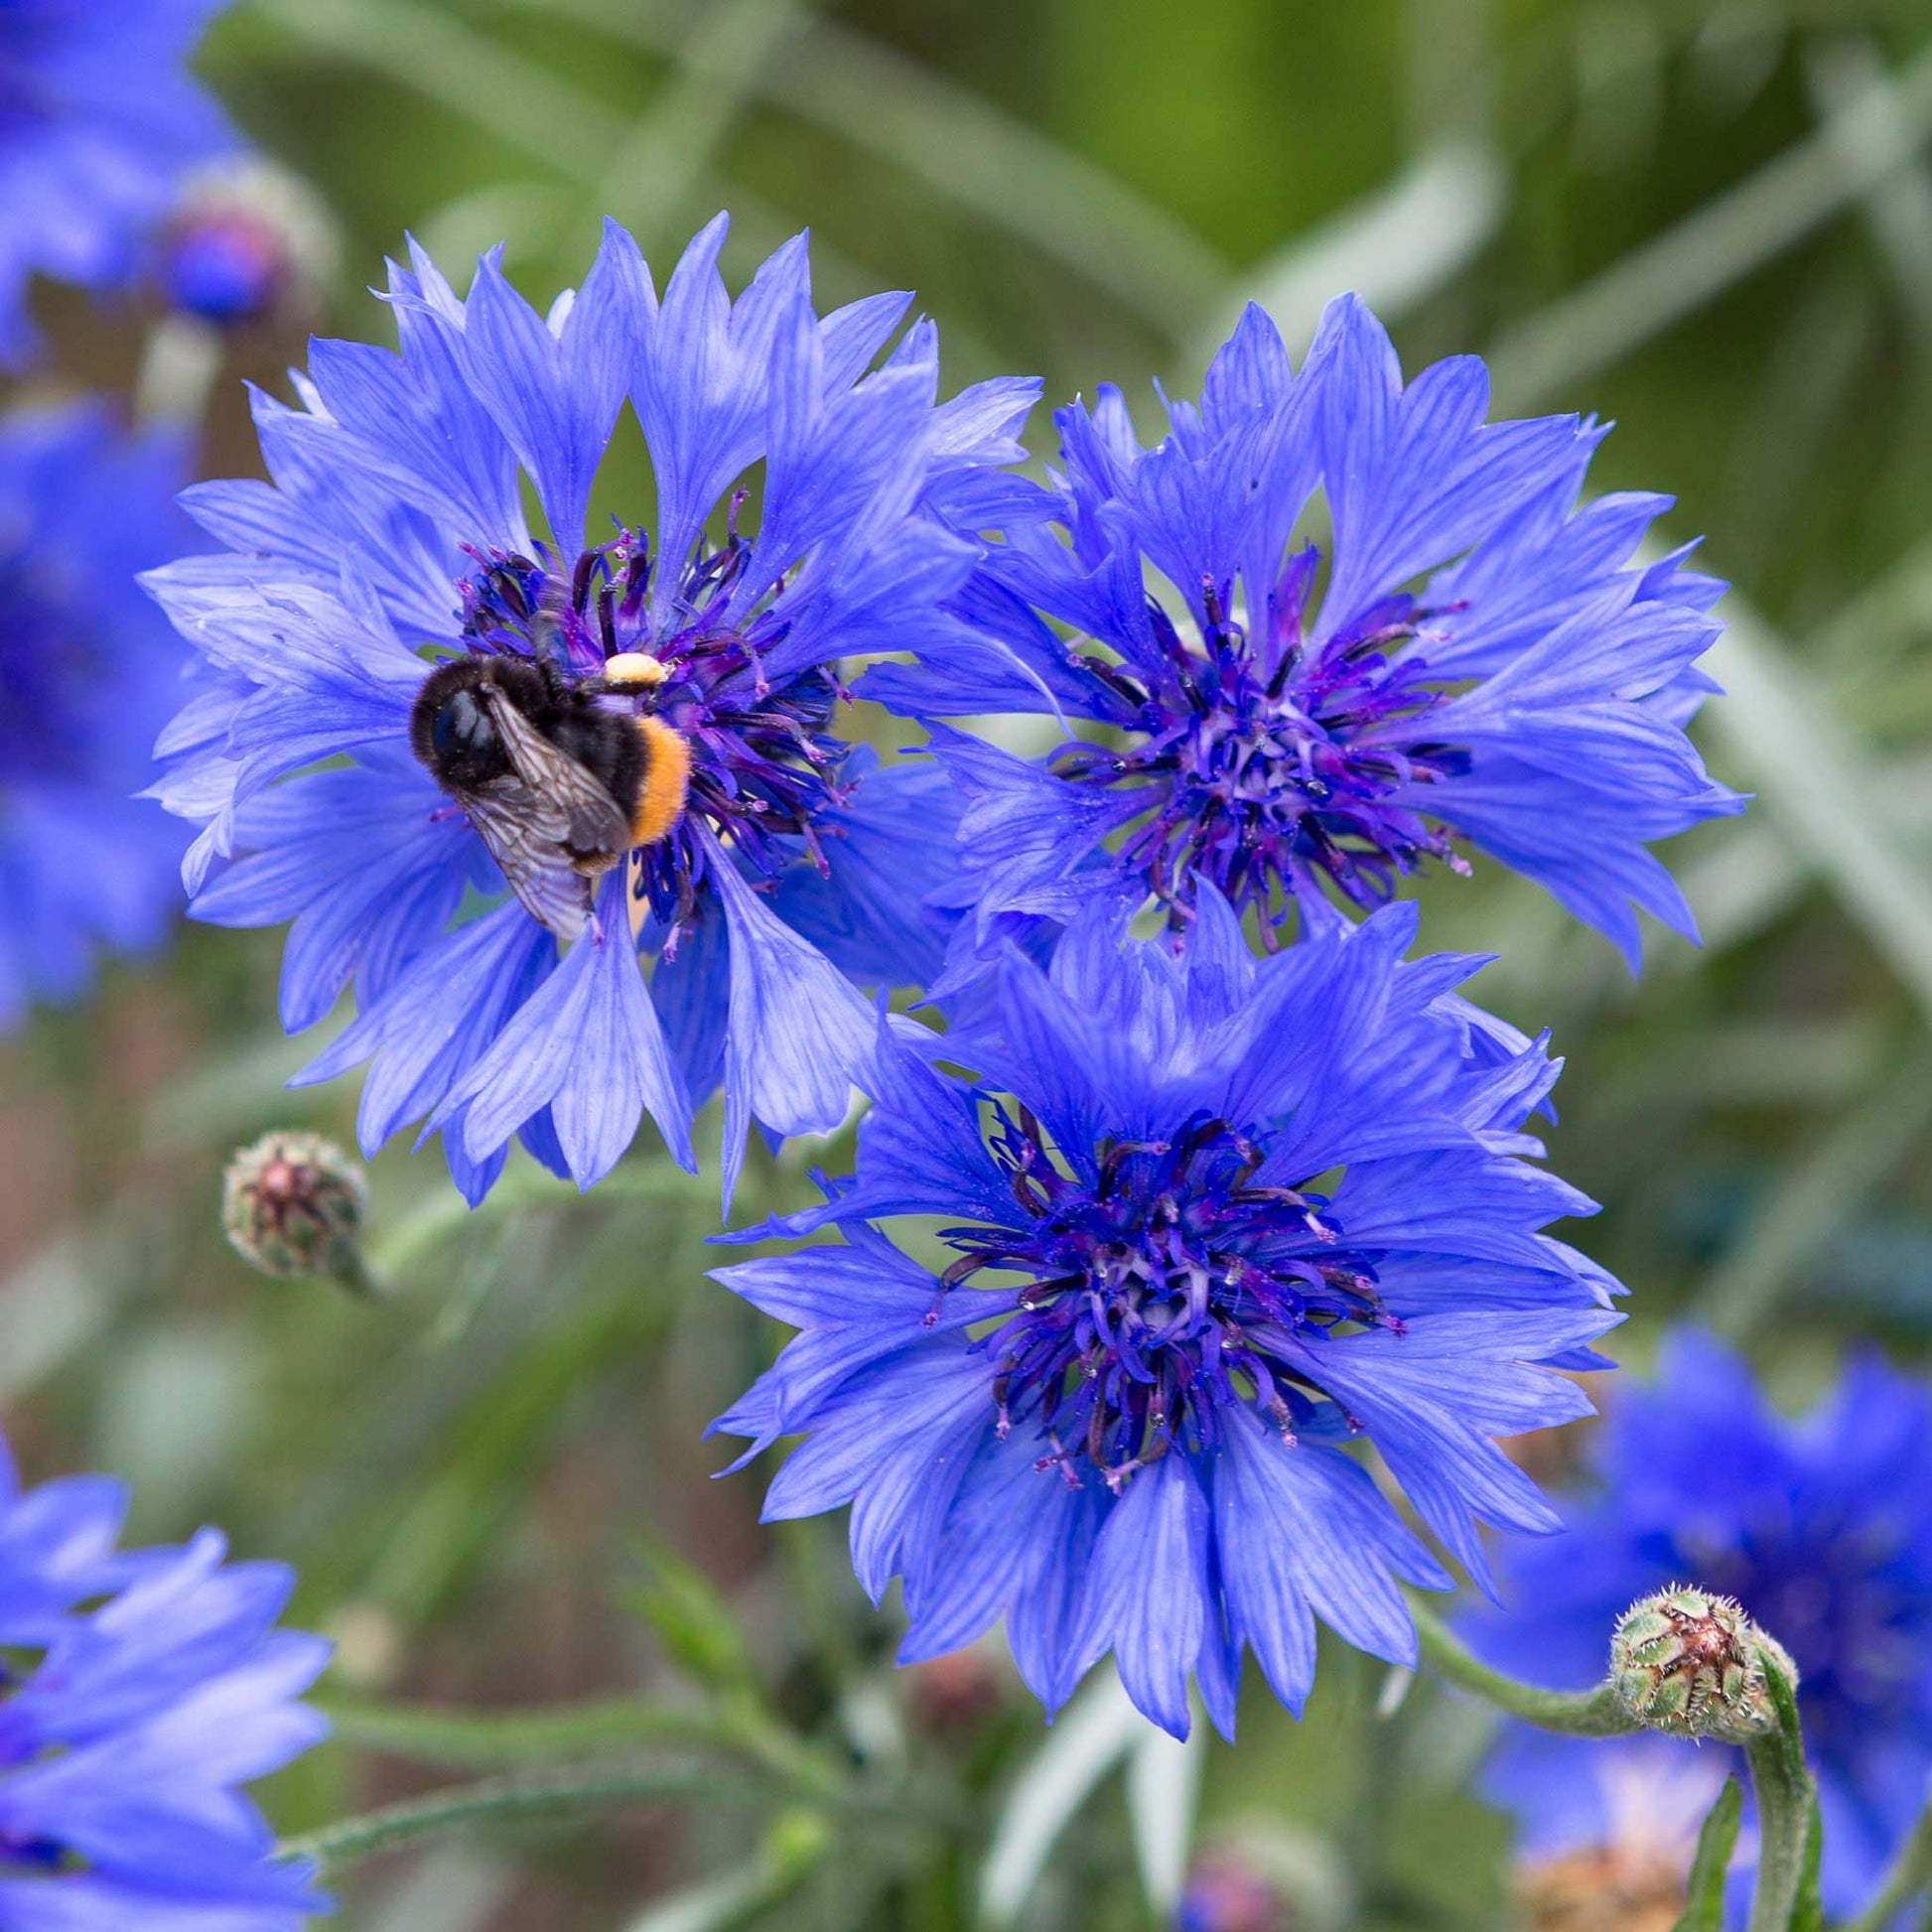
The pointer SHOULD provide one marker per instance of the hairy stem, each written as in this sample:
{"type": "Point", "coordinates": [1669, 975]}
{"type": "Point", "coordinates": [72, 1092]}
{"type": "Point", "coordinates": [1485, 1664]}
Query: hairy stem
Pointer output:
{"type": "Point", "coordinates": [1783, 1818]}
{"type": "Point", "coordinates": [493, 1739]}
{"type": "Point", "coordinates": [1784, 1895]}
{"type": "Point", "coordinates": [1577, 1713]}
{"type": "Point", "coordinates": [567, 1788]}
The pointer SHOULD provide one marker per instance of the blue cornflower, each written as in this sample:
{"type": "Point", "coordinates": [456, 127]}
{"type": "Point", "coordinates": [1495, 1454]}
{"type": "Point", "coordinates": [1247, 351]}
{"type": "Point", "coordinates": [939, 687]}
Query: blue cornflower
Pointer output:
{"type": "Point", "coordinates": [90, 673]}
{"type": "Point", "coordinates": [1820, 1527]}
{"type": "Point", "coordinates": [1484, 662]}
{"type": "Point", "coordinates": [393, 541]}
{"type": "Point", "coordinates": [99, 125]}
{"type": "Point", "coordinates": [140, 1689]}
{"type": "Point", "coordinates": [1210, 1220]}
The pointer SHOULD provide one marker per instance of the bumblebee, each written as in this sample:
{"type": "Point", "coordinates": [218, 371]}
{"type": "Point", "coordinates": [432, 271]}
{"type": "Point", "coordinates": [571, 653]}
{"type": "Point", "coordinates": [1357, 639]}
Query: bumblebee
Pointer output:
{"type": "Point", "coordinates": [558, 787]}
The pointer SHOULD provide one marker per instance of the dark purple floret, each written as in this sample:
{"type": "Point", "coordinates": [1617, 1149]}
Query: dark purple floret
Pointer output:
{"type": "Point", "coordinates": [762, 757]}
{"type": "Point", "coordinates": [1173, 1283]}
{"type": "Point", "coordinates": [1271, 761]}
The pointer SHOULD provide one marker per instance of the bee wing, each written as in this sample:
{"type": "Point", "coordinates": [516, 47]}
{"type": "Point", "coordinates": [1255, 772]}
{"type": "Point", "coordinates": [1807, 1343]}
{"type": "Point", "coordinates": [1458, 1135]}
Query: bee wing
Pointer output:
{"type": "Point", "coordinates": [524, 832]}
{"type": "Point", "coordinates": [594, 825]}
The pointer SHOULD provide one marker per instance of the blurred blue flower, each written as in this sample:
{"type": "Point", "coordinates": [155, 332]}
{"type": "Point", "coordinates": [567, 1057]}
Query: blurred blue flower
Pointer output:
{"type": "Point", "coordinates": [228, 266]}
{"type": "Point", "coordinates": [99, 124]}
{"type": "Point", "coordinates": [1485, 663]}
{"type": "Point", "coordinates": [1229, 1216]}
{"type": "Point", "coordinates": [1820, 1527]}
{"type": "Point", "coordinates": [91, 672]}
{"type": "Point", "coordinates": [126, 1724]}
{"type": "Point", "coordinates": [394, 529]}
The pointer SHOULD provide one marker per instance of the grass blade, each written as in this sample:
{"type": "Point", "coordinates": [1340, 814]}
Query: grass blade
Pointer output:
{"type": "Point", "coordinates": [1876, 132]}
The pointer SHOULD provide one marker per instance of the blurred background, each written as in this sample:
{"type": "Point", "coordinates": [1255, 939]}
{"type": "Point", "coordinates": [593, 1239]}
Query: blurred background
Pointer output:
{"type": "Point", "coordinates": [1710, 222]}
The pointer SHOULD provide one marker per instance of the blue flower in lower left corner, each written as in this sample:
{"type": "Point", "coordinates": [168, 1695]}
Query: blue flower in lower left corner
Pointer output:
{"type": "Point", "coordinates": [91, 674]}
{"type": "Point", "coordinates": [141, 1688]}
{"type": "Point", "coordinates": [1210, 1220]}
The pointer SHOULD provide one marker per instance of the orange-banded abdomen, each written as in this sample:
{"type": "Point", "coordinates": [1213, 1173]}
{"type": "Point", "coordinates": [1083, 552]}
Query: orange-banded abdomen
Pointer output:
{"type": "Point", "coordinates": [667, 774]}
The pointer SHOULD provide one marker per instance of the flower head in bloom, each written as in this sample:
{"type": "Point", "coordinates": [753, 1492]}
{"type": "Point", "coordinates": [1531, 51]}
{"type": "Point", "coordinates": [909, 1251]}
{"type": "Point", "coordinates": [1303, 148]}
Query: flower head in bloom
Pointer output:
{"type": "Point", "coordinates": [1464, 656]}
{"type": "Point", "coordinates": [1821, 1528]}
{"type": "Point", "coordinates": [1210, 1220]}
{"type": "Point", "coordinates": [90, 672]}
{"type": "Point", "coordinates": [100, 123]}
{"type": "Point", "coordinates": [630, 747]}
{"type": "Point", "coordinates": [140, 1689]}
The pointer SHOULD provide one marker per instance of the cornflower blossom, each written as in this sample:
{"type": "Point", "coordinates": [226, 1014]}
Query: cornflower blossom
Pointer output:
{"type": "Point", "coordinates": [1464, 656]}
{"type": "Point", "coordinates": [100, 124]}
{"type": "Point", "coordinates": [1211, 1219]}
{"type": "Point", "coordinates": [91, 672]}
{"type": "Point", "coordinates": [805, 514]}
{"type": "Point", "coordinates": [141, 1688]}
{"type": "Point", "coordinates": [1821, 1528]}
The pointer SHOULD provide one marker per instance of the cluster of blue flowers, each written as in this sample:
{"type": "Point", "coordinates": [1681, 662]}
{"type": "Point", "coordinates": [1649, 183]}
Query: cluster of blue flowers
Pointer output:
{"type": "Point", "coordinates": [1209, 1216]}
{"type": "Point", "coordinates": [573, 810]}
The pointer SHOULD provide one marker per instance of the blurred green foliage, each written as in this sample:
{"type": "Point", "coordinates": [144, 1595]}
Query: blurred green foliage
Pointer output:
{"type": "Point", "coordinates": [1711, 220]}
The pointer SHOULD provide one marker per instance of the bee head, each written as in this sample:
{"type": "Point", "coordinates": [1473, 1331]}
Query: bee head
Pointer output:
{"type": "Point", "coordinates": [450, 730]}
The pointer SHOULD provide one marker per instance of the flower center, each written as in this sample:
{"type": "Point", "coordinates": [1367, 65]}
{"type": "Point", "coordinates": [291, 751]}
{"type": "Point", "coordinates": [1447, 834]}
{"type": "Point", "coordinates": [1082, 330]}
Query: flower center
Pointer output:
{"type": "Point", "coordinates": [763, 760]}
{"type": "Point", "coordinates": [1269, 765]}
{"type": "Point", "coordinates": [1173, 1283]}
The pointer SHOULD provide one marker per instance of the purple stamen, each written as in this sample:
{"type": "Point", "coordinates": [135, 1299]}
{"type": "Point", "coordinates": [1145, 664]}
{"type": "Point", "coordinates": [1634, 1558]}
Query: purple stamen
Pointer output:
{"type": "Point", "coordinates": [1272, 766]}
{"type": "Point", "coordinates": [1167, 1288]}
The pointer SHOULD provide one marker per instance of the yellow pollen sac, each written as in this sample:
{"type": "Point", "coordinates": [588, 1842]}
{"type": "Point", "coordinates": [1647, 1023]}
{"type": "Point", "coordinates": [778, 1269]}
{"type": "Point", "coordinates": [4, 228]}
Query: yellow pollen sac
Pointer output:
{"type": "Point", "coordinates": [633, 667]}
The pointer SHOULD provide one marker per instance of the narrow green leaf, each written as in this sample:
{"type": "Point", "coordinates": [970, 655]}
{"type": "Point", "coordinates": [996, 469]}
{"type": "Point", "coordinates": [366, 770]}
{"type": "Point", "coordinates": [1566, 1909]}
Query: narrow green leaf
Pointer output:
{"type": "Point", "coordinates": [1674, 274]}
{"type": "Point", "coordinates": [1704, 1907]}
{"type": "Point", "coordinates": [1095, 1731]}
{"type": "Point", "coordinates": [955, 142]}
{"type": "Point", "coordinates": [1164, 1778]}
{"type": "Point", "coordinates": [795, 1845]}
{"type": "Point", "coordinates": [692, 1619]}
{"type": "Point", "coordinates": [1813, 774]}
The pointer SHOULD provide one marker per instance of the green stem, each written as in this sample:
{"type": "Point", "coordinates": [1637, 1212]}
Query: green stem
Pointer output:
{"type": "Point", "coordinates": [1577, 1713]}
{"type": "Point", "coordinates": [1783, 1819]}
{"type": "Point", "coordinates": [506, 1739]}
{"type": "Point", "coordinates": [568, 1788]}
{"type": "Point", "coordinates": [1784, 1894]}
{"type": "Point", "coordinates": [1908, 1874]}
{"type": "Point", "coordinates": [484, 1740]}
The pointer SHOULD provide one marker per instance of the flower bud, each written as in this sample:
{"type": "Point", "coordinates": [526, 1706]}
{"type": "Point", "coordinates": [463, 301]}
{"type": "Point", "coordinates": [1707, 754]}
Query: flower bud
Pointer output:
{"type": "Point", "coordinates": [292, 1205]}
{"type": "Point", "coordinates": [249, 242]}
{"type": "Point", "coordinates": [1692, 1664]}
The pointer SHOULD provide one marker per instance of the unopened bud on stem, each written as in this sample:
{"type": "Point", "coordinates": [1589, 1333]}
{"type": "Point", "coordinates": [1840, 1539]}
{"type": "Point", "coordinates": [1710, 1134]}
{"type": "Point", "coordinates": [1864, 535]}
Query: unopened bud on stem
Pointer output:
{"type": "Point", "coordinates": [292, 1205]}
{"type": "Point", "coordinates": [1692, 1664]}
